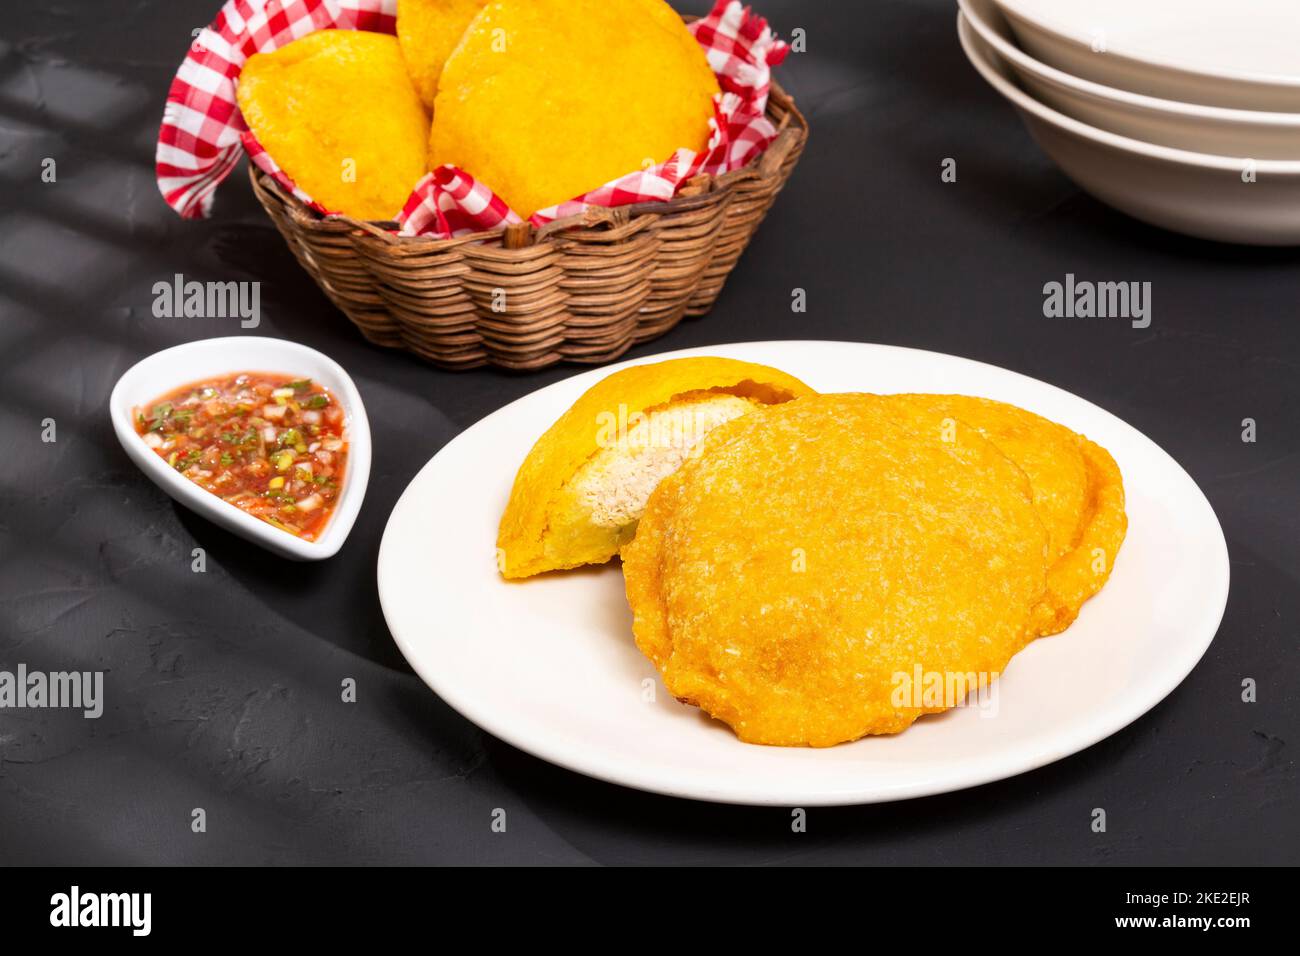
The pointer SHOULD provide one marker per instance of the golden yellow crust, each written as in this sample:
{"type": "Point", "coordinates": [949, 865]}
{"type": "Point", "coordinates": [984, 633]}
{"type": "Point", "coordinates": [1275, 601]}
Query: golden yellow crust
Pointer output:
{"type": "Point", "coordinates": [1082, 572]}
{"type": "Point", "coordinates": [544, 100]}
{"type": "Point", "coordinates": [792, 577]}
{"type": "Point", "coordinates": [1078, 491]}
{"type": "Point", "coordinates": [543, 527]}
{"type": "Point", "coordinates": [428, 31]}
{"type": "Point", "coordinates": [338, 113]}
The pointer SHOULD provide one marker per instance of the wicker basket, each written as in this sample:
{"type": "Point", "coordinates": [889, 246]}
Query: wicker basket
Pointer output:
{"type": "Point", "coordinates": [582, 289]}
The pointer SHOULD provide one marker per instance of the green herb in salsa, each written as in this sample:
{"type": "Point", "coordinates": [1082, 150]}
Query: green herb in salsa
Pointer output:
{"type": "Point", "coordinates": [270, 445]}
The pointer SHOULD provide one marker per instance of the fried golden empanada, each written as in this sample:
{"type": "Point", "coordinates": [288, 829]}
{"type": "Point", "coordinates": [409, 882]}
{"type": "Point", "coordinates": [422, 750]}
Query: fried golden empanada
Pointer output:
{"type": "Point", "coordinates": [794, 576]}
{"type": "Point", "coordinates": [579, 493]}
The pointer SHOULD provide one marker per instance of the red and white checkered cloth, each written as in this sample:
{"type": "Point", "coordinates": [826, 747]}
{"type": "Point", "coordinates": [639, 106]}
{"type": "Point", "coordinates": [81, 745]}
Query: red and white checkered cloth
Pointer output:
{"type": "Point", "coordinates": [203, 133]}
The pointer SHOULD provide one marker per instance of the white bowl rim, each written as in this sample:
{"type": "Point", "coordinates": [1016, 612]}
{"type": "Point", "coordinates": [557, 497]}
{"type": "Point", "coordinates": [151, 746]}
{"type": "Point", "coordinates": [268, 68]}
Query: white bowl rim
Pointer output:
{"type": "Point", "coordinates": [1160, 62]}
{"type": "Point", "coordinates": [203, 502]}
{"type": "Point", "coordinates": [1272, 167]}
{"type": "Point", "coordinates": [1009, 51]}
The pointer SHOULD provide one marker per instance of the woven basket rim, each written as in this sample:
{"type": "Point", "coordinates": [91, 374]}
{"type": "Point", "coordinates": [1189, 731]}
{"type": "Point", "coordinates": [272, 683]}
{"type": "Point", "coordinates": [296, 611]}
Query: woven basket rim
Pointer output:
{"type": "Point", "coordinates": [792, 129]}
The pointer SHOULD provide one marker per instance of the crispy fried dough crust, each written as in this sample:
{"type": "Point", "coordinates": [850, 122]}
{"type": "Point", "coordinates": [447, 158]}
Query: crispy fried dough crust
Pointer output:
{"type": "Point", "coordinates": [541, 529]}
{"type": "Point", "coordinates": [1078, 492]}
{"type": "Point", "coordinates": [816, 551]}
{"type": "Point", "coordinates": [428, 31]}
{"type": "Point", "coordinates": [544, 100]}
{"type": "Point", "coordinates": [1081, 572]}
{"type": "Point", "coordinates": [338, 112]}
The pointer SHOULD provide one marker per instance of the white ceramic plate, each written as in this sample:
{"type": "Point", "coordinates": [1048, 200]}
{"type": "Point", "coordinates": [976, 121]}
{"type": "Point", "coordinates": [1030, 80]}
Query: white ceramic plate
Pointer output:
{"type": "Point", "coordinates": [549, 664]}
{"type": "Point", "coordinates": [1235, 53]}
{"type": "Point", "coordinates": [1204, 129]}
{"type": "Point", "coordinates": [164, 371]}
{"type": "Point", "coordinates": [1212, 197]}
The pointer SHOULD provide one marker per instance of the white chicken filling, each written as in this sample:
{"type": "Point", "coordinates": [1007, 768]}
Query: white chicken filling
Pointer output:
{"type": "Point", "coordinates": [615, 483]}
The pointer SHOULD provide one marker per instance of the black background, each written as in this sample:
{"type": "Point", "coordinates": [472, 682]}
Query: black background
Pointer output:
{"type": "Point", "coordinates": [223, 689]}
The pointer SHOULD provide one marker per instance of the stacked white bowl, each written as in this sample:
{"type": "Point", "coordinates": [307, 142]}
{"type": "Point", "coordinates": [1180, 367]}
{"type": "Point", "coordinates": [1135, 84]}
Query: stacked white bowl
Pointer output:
{"type": "Point", "coordinates": [1181, 113]}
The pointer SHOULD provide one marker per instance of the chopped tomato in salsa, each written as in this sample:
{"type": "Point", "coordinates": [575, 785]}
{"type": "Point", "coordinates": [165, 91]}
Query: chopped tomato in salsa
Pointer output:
{"type": "Point", "coordinates": [269, 444]}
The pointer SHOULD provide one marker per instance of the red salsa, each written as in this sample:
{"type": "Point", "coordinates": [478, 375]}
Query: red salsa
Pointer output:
{"type": "Point", "coordinates": [269, 444]}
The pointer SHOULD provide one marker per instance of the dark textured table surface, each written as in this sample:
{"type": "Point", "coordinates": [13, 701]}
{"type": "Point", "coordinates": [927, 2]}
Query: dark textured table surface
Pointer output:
{"type": "Point", "coordinates": [222, 689]}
